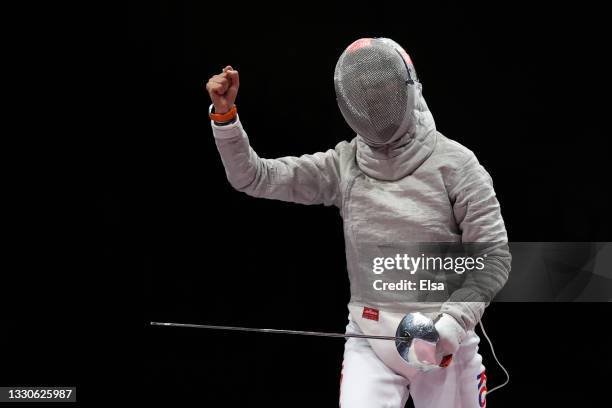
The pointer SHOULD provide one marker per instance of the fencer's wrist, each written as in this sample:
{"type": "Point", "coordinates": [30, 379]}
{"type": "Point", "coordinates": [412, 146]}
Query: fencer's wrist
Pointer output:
{"type": "Point", "coordinates": [219, 111]}
{"type": "Point", "coordinates": [223, 118]}
{"type": "Point", "coordinates": [228, 130]}
{"type": "Point", "coordinates": [225, 123]}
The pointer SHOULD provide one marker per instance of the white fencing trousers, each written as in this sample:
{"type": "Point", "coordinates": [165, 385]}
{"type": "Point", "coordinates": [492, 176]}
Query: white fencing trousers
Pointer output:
{"type": "Point", "coordinates": [366, 382]}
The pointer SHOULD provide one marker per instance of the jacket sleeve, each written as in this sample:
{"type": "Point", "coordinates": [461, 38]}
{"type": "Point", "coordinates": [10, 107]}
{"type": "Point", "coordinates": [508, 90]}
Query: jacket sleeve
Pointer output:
{"type": "Point", "coordinates": [308, 179]}
{"type": "Point", "coordinates": [477, 213]}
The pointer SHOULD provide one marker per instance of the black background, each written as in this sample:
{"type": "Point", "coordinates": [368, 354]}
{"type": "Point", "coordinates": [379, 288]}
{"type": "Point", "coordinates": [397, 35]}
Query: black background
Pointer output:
{"type": "Point", "coordinates": [522, 88]}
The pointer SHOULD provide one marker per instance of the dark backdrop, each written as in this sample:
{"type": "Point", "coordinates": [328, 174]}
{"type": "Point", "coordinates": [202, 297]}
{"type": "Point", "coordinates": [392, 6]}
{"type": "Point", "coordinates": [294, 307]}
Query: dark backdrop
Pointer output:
{"type": "Point", "coordinates": [520, 87]}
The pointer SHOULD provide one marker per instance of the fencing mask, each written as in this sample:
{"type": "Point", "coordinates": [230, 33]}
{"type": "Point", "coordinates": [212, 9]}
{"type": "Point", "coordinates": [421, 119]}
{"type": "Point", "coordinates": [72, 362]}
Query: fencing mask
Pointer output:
{"type": "Point", "coordinates": [376, 89]}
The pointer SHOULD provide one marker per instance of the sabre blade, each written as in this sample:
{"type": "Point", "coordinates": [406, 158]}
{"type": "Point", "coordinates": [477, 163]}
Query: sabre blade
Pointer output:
{"type": "Point", "coordinates": [279, 331]}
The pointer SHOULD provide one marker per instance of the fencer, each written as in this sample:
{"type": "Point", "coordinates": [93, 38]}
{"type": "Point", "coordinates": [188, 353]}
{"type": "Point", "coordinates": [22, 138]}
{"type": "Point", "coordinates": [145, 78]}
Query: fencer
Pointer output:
{"type": "Point", "coordinates": [397, 180]}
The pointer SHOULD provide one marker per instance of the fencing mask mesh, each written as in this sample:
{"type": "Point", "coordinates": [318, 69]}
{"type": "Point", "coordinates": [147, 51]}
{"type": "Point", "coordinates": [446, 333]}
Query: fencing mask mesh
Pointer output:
{"type": "Point", "coordinates": [375, 84]}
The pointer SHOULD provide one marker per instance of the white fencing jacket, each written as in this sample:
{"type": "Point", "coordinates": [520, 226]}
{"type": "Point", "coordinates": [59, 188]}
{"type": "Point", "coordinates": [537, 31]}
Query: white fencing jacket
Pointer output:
{"type": "Point", "coordinates": [423, 187]}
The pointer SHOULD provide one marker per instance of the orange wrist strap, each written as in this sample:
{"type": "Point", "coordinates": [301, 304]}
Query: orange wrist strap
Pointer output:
{"type": "Point", "coordinates": [224, 117]}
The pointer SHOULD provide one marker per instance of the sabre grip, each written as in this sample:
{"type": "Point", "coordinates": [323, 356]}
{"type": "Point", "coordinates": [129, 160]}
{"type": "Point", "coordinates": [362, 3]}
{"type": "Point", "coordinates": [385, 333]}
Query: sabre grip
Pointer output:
{"type": "Point", "coordinates": [446, 360]}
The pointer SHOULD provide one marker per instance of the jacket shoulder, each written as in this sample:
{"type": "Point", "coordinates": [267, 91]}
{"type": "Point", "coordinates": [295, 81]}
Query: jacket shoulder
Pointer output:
{"type": "Point", "coordinates": [346, 152]}
{"type": "Point", "coordinates": [452, 154]}
{"type": "Point", "coordinates": [345, 147]}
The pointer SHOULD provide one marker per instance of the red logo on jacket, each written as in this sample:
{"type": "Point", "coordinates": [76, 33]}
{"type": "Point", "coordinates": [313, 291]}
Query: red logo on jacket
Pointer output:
{"type": "Point", "coordinates": [369, 313]}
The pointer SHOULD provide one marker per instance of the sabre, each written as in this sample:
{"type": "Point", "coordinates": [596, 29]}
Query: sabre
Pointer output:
{"type": "Point", "coordinates": [404, 339]}
{"type": "Point", "coordinates": [415, 339]}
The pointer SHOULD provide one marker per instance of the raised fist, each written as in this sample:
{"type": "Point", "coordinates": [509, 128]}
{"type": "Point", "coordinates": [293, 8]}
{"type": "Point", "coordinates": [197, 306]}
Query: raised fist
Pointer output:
{"type": "Point", "coordinates": [223, 89]}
